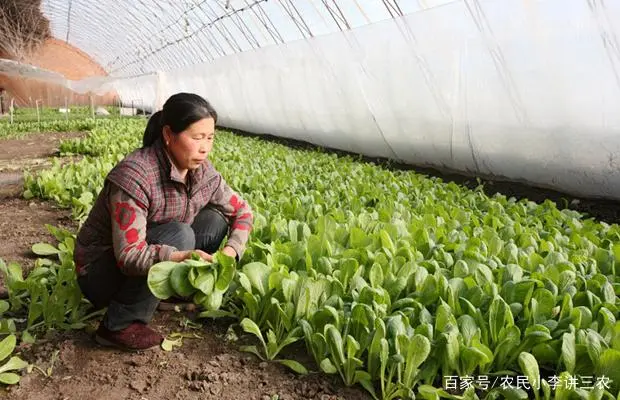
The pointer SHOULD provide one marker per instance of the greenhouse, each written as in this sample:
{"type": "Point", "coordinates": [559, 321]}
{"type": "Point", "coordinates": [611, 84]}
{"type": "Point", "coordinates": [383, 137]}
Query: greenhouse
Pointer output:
{"type": "Point", "coordinates": [310, 199]}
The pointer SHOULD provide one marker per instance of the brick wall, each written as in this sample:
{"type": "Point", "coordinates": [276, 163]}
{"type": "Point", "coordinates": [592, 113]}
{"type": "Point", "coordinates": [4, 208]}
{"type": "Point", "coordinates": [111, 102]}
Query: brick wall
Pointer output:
{"type": "Point", "coordinates": [58, 56]}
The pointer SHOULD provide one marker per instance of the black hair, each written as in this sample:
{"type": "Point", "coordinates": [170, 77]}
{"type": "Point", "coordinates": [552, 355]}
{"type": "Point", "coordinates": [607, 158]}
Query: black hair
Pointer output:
{"type": "Point", "coordinates": [180, 111]}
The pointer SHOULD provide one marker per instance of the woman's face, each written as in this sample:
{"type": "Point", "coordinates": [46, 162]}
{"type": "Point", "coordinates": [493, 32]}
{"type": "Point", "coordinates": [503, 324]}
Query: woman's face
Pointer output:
{"type": "Point", "coordinates": [191, 147]}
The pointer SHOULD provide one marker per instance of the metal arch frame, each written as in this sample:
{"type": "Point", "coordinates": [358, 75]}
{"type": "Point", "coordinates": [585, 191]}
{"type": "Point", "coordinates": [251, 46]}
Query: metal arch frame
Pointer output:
{"type": "Point", "coordinates": [150, 35]}
{"type": "Point", "coordinates": [153, 35]}
{"type": "Point", "coordinates": [68, 20]}
{"type": "Point", "coordinates": [143, 33]}
{"type": "Point", "coordinates": [242, 26]}
{"type": "Point", "coordinates": [393, 8]}
{"type": "Point", "coordinates": [148, 45]}
{"type": "Point", "coordinates": [212, 39]}
{"type": "Point", "coordinates": [293, 13]}
{"type": "Point", "coordinates": [337, 15]}
{"type": "Point", "coordinates": [232, 42]}
{"type": "Point", "coordinates": [176, 41]}
{"type": "Point", "coordinates": [90, 36]}
{"type": "Point", "coordinates": [262, 17]}
{"type": "Point", "coordinates": [162, 58]}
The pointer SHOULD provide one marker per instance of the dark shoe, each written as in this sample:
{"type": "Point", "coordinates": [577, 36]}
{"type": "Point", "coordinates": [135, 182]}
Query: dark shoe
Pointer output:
{"type": "Point", "coordinates": [136, 336]}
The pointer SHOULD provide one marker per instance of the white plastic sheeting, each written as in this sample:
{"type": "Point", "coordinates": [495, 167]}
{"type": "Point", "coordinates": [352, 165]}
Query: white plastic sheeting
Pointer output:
{"type": "Point", "coordinates": [522, 90]}
{"type": "Point", "coordinates": [526, 90]}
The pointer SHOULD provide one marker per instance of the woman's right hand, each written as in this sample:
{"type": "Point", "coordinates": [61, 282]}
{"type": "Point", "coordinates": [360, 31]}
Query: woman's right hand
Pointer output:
{"type": "Point", "coordinates": [178, 256]}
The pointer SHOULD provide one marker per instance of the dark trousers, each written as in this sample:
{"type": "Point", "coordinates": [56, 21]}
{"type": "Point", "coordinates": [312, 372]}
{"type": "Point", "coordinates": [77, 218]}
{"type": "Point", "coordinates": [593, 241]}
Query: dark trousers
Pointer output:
{"type": "Point", "coordinates": [129, 298]}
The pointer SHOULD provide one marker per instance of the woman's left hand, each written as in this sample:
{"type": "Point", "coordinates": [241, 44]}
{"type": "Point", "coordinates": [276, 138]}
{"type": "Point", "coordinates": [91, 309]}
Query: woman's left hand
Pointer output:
{"type": "Point", "coordinates": [229, 251]}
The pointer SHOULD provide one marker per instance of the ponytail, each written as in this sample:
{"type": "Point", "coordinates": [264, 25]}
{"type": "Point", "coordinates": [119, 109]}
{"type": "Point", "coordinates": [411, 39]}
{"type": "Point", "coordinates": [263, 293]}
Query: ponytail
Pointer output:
{"type": "Point", "coordinates": [153, 130]}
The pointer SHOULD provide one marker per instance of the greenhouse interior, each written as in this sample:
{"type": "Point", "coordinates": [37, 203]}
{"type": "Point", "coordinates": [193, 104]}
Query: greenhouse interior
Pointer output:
{"type": "Point", "coordinates": [310, 199]}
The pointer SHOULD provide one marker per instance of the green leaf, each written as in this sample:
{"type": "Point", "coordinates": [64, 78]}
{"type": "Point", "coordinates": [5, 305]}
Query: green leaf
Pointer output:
{"type": "Point", "coordinates": [430, 392]}
{"type": "Point", "coordinates": [451, 350]}
{"type": "Point", "coordinates": [294, 365]}
{"type": "Point", "coordinates": [545, 303]}
{"type": "Point", "coordinates": [213, 301]}
{"type": "Point", "coordinates": [253, 350]}
{"type": "Point", "coordinates": [216, 314]}
{"type": "Point", "coordinates": [546, 389]}
{"type": "Point", "coordinates": [168, 344]}
{"type": "Point", "coordinates": [179, 281]}
{"type": "Point", "coordinates": [376, 275]}
{"type": "Point", "coordinates": [205, 281]}
{"type": "Point", "coordinates": [594, 346]}
{"type": "Point", "coordinates": [500, 317]}
{"type": "Point", "coordinates": [227, 273]}
{"type": "Point", "coordinates": [258, 275]}
{"type": "Point", "coordinates": [334, 342]}
{"type": "Point", "coordinates": [327, 366]}
{"type": "Point", "coordinates": [569, 354]}
{"type": "Point", "coordinates": [472, 357]}
{"type": "Point", "coordinates": [196, 262]}
{"type": "Point", "coordinates": [468, 328]}
{"type": "Point", "coordinates": [470, 394]}
{"type": "Point", "coordinates": [374, 353]}
{"type": "Point", "coordinates": [7, 345]}
{"type": "Point", "coordinates": [250, 327]}
{"type": "Point", "coordinates": [158, 279]}
{"type": "Point", "coordinates": [529, 366]}
{"type": "Point", "coordinates": [386, 242]}
{"type": "Point", "coordinates": [417, 352]}
{"type": "Point", "coordinates": [14, 273]}
{"type": "Point", "coordinates": [365, 380]}
{"type": "Point", "coordinates": [27, 338]}
{"type": "Point", "coordinates": [14, 363]}
{"type": "Point", "coordinates": [616, 253]}
{"type": "Point", "coordinates": [44, 249]}
{"type": "Point", "coordinates": [461, 269]}
{"type": "Point", "coordinates": [9, 378]}
{"type": "Point", "coordinates": [609, 367]}
{"type": "Point", "coordinates": [508, 393]}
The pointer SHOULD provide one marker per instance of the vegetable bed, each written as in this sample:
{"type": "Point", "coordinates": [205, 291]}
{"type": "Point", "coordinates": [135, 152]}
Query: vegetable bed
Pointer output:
{"type": "Point", "coordinates": [400, 283]}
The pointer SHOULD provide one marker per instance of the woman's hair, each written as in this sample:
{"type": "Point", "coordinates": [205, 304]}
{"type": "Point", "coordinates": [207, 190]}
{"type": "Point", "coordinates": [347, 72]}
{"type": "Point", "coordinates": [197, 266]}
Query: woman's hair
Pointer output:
{"type": "Point", "coordinates": [180, 111]}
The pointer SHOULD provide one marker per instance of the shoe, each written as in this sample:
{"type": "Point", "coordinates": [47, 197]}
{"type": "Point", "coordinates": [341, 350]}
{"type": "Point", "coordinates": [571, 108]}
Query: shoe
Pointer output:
{"type": "Point", "coordinates": [136, 336]}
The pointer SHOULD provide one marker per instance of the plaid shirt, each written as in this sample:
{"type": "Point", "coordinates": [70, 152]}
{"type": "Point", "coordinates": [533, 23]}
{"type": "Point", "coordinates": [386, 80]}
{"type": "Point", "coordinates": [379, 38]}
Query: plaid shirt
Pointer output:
{"type": "Point", "coordinates": [143, 189]}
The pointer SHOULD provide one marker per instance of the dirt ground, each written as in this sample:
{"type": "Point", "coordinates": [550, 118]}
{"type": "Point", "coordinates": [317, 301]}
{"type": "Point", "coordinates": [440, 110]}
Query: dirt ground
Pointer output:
{"type": "Point", "coordinates": [205, 368]}
{"type": "Point", "coordinates": [70, 365]}
{"type": "Point", "coordinates": [32, 153]}
{"type": "Point", "coordinates": [36, 148]}
{"type": "Point", "coordinates": [22, 222]}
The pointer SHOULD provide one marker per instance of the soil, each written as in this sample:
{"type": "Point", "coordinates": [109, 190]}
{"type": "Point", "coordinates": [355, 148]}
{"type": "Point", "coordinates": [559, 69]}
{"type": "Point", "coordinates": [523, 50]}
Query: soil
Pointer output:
{"type": "Point", "coordinates": [70, 365]}
{"type": "Point", "coordinates": [32, 150]}
{"type": "Point", "coordinates": [22, 224]}
{"type": "Point", "coordinates": [202, 368]}
{"type": "Point", "coordinates": [31, 153]}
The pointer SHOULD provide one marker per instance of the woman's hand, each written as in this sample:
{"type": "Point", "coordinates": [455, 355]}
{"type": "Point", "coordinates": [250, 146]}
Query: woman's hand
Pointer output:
{"type": "Point", "coordinates": [178, 256]}
{"type": "Point", "coordinates": [229, 251]}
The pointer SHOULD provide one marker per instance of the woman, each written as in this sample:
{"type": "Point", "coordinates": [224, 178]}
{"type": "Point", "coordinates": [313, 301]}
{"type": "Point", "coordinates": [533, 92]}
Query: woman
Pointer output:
{"type": "Point", "coordinates": [161, 203]}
